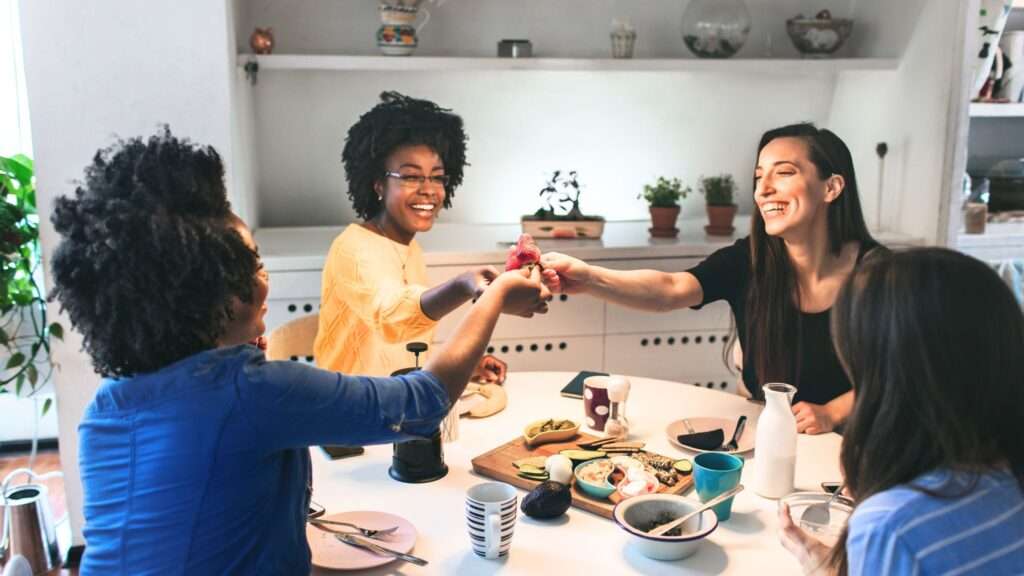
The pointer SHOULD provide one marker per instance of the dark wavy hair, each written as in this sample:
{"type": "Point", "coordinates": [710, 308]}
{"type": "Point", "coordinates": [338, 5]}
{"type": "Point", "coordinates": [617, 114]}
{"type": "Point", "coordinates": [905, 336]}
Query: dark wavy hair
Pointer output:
{"type": "Point", "coordinates": [148, 262]}
{"type": "Point", "coordinates": [400, 121]}
{"type": "Point", "coordinates": [773, 309]}
{"type": "Point", "coordinates": [932, 341]}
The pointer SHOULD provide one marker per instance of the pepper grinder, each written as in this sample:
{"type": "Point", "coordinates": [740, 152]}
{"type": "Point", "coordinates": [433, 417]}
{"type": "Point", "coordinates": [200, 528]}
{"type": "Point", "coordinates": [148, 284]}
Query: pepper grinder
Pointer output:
{"type": "Point", "coordinates": [618, 392]}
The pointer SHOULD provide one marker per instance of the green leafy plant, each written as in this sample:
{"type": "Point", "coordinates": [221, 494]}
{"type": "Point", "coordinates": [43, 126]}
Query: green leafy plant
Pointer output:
{"type": "Point", "coordinates": [561, 197]}
{"type": "Point", "coordinates": [24, 331]}
{"type": "Point", "coordinates": [718, 190]}
{"type": "Point", "coordinates": [664, 193]}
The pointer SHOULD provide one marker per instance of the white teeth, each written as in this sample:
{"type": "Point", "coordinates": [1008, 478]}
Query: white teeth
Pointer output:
{"type": "Point", "coordinates": [773, 207]}
{"type": "Point", "coordinates": [428, 207]}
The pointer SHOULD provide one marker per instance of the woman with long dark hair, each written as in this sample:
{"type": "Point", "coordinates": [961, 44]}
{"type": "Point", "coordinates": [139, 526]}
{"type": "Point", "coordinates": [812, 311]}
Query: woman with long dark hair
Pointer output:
{"type": "Point", "coordinates": [933, 342]}
{"type": "Point", "coordinates": [807, 235]}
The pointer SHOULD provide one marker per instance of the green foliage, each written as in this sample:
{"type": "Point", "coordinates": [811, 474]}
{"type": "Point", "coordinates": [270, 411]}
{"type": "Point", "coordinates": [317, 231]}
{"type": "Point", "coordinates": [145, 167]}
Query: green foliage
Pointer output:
{"type": "Point", "coordinates": [561, 196]}
{"type": "Point", "coordinates": [22, 304]}
{"type": "Point", "coordinates": [718, 190]}
{"type": "Point", "coordinates": [665, 193]}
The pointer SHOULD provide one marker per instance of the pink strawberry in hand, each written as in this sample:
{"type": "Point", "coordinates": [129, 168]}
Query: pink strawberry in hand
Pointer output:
{"type": "Point", "coordinates": [524, 254]}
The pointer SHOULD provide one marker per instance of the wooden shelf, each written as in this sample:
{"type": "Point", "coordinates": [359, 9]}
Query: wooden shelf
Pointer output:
{"type": "Point", "coordinates": [986, 110]}
{"type": "Point", "coordinates": [319, 62]}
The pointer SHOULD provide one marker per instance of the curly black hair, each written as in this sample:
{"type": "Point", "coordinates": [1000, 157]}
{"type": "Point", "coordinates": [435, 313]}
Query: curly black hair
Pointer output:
{"type": "Point", "coordinates": [149, 261]}
{"type": "Point", "coordinates": [400, 121]}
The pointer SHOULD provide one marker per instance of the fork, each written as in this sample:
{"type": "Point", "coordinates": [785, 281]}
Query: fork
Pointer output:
{"type": "Point", "coordinates": [369, 532]}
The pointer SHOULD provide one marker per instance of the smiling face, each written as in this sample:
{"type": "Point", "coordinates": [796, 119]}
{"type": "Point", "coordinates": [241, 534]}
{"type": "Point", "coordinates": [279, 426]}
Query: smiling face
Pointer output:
{"type": "Point", "coordinates": [410, 207]}
{"type": "Point", "coordinates": [791, 195]}
{"type": "Point", "coordinates": [247, 324]}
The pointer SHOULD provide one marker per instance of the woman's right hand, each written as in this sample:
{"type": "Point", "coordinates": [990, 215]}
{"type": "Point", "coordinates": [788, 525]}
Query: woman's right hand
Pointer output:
{"type": "Point", "coordinates": [523, 292]}
{"type": "Point", "coordinates": [563, 273]}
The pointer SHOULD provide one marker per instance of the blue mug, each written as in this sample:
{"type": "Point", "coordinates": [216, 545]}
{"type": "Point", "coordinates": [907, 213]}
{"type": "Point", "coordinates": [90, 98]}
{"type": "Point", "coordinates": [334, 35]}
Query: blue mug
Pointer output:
{"type": "Point", "coordinates": [715, 473]}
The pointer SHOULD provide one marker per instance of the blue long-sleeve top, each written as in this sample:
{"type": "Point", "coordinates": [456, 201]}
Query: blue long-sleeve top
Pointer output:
{"type": "Point", "coordinates": [202, 467]}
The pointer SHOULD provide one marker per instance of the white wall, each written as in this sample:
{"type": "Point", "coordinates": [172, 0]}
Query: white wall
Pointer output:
{"type": "Point", "coordinates": [910, 110]}
{"type": "Point", "coordinates": [96, 70]}
{"type": "Point", "coordinates": [618, 130]}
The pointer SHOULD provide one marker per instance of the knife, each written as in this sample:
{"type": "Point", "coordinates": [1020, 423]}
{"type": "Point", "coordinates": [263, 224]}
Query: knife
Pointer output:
{"type": "Point", "coordinates": [359, 542]}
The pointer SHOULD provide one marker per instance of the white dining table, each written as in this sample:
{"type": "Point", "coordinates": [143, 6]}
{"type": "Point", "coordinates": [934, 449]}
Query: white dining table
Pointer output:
{"type": "Point", "coordinates": [578, 542]}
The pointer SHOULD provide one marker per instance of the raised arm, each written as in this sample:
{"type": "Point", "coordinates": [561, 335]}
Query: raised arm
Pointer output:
{"type": "Point", "coordinates": [439, 301]}
{"type": "Point", "coordinates": [517, 292]}
{"type": "Point", "coordinates": [644, 289]}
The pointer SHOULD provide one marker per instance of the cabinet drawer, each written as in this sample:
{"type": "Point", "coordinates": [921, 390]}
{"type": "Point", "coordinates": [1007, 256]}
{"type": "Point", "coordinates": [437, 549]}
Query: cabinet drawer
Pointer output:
{"type": "Point", "coordinates": [570, 354]}
{"type": "Point", "coordinates": [622, 320]}
{"type": "Point", "coordinates": [280, 311]}
{"type": "Point", "coordinates": [690, 357]}
{"type": "Point", "coordinates": [290, 285]}
{"type": "Point", "coordinates": [568, 315]}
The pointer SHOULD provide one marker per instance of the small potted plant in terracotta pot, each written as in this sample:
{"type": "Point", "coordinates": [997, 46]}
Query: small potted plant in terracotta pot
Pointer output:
{"type": "Point", "coordinates": [718, 192]}
{"type": "Point", "coordinates": [664, 198]}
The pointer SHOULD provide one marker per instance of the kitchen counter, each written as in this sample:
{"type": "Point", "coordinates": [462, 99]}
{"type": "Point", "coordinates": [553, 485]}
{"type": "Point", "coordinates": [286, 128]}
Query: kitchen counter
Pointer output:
{"type": "Point", "coordinates": [453, 244]}
{"type": "Point", "coordinates": [1001, 240]}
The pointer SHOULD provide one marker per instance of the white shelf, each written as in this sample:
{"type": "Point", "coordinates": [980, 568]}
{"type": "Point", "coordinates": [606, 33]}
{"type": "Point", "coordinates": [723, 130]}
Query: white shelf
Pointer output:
{"type": "Point", "coordinates": [317, 62]}
{"type": "Point", "coordinates": [987, 110]}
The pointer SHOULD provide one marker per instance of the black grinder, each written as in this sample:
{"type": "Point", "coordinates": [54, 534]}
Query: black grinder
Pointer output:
{"type": "Point", "coordinates": [421, 460]}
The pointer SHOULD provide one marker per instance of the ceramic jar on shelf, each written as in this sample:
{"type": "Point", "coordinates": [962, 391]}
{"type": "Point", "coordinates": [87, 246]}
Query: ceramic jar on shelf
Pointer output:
{"type": "Point", "coordinates": [397, 33]}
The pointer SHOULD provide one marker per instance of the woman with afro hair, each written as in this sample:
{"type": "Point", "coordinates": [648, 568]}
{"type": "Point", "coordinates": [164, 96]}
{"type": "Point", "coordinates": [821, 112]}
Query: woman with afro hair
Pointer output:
{"type": "Point", "coordinates": [194, 451]}
{"type": "Point", "coordinates": [403, 161]}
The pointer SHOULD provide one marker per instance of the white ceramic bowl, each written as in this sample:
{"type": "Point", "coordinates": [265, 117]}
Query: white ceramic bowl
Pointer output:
{"type": "Point", "coordinates": [839, 513]}
{"type": "Point", "coordinates": [638, 514]}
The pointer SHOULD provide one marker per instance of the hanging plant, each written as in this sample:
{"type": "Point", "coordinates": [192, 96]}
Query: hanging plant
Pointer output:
{"type": "Point", "coordinates": [24, 331]}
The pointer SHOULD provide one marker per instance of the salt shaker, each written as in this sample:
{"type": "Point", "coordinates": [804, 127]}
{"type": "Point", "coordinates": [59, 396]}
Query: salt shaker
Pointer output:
{"type": "Point", "coordinates": [618, 392]}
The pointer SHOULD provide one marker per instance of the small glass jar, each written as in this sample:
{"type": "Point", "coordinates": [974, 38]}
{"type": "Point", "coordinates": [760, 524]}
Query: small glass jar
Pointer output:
{"type": "Point", "coordinates": [715, 28]}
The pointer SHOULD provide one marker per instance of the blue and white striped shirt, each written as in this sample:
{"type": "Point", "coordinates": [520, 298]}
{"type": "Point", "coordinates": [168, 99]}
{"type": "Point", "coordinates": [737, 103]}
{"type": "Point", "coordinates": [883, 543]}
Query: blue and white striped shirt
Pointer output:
{"type": "Point", "coordinates": [905, 531]}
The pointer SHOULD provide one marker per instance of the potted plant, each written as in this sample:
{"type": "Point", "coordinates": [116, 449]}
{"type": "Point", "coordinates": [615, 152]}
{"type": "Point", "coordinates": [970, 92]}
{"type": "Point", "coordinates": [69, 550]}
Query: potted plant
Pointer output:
{"type": "Point", "coordinates": [24, 331]}
{"type": "Point", "coordinates": [718, 192]}
{"type": "Point", "coordinates": [664, 198]}
{"type": "Point", "coordinates": [560, 216]}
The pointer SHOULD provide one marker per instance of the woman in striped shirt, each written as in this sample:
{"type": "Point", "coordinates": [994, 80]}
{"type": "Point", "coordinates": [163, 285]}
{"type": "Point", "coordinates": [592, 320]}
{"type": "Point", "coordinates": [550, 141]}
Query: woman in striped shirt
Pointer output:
{"type": "Point", "coordinates": [933, 342]}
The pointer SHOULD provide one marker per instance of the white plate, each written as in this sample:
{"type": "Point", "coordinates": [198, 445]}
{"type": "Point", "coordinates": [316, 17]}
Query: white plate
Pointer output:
{"type": "Point", "coordinates": [329, 552]}
{"type": "Point", "coordinates": [708, 423]}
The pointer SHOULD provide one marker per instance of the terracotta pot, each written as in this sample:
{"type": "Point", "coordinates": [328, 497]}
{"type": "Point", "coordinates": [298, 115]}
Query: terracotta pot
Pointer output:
{"type": "Point", "coordinates": [720, 220]}
{"type": "Point", "coordinates": [663, 221]}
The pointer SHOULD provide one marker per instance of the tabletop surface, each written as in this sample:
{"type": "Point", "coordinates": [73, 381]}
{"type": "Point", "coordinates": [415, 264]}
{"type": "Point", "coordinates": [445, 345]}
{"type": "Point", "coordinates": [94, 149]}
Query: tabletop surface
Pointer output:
{"type": "Point", "coordinates": [579, 542]}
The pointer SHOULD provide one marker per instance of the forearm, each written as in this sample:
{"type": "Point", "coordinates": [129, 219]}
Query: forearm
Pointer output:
{"type": "Point", "coordinates": [649, 290]}
{"type": "Point", "coordinates": [442, 299]}
{"type": "Point", "coordinates": [839, 408]}
{"type": "Point", "coordinates": [455, 362]}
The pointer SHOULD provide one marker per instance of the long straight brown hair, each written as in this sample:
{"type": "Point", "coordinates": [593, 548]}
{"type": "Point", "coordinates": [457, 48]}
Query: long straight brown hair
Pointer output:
{"type": "Point", "coordinates": [773, 308]}
{"type": "Point", "coordinates": [933, 342]}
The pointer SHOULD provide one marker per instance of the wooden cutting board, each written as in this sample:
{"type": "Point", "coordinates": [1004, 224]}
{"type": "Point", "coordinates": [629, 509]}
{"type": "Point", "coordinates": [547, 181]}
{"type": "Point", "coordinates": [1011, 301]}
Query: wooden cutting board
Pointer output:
{"type": "Point", "coordinates": [497, 464]}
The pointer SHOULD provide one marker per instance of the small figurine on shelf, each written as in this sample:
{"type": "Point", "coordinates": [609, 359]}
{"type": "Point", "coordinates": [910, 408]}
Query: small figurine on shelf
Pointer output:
{"type": "Point", "coordinates": [623, 38]}
{"type": "Point", "coordinates": [262, 40]}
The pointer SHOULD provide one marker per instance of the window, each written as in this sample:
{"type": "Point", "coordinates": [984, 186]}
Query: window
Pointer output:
{"type": "Point", "coordinates": [15, 136]}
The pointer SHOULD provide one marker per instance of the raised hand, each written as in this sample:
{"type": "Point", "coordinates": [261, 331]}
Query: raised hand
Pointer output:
{"type": "Point", "coordinates": [476, 280]}
{"type": "Point", "coordinates": [524, 293]}
{"type": "Point", "coordinates": [564, 273]}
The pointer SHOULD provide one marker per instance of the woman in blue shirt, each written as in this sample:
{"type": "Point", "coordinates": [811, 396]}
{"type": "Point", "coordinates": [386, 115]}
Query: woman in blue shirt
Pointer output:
{"type": "Point", "coordinates": [193, 453]}
{"type": "Point", "coordinates": [933, 342]}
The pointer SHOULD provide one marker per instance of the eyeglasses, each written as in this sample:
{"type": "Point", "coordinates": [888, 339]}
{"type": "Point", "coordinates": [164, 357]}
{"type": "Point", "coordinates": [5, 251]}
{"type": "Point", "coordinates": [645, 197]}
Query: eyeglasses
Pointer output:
{"type": "Point", "coordinates": [417, 181]}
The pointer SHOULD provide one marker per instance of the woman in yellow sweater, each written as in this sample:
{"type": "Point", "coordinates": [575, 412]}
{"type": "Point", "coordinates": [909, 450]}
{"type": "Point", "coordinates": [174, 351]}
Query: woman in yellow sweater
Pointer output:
{"type": "Point", "coordinates": [403, 161]}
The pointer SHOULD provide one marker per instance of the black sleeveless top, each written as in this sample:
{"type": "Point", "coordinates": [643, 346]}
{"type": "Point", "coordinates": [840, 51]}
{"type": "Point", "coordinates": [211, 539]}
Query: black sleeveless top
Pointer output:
{"type": "Point", "coordinates": [725, 275]}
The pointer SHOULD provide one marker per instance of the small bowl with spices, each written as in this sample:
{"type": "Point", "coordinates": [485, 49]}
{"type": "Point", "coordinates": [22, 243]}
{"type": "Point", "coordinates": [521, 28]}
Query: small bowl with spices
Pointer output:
{"type": "Point", "coordinates": [641, 514]}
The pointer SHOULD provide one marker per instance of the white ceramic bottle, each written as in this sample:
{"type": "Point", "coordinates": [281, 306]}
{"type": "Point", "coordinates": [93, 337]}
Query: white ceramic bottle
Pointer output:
{"type": "Point", "coordinates": [775, 458]}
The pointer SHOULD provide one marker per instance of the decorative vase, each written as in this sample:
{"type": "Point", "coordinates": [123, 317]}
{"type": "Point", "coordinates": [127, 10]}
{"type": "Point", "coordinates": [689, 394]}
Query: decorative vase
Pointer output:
{"type": "Point", "coordinates": [984, 39]}
{"type": "Point", "coordinates": [397, 33]}
{"type": "Point", "coordinates": [775, 466]}
{"type": "Point", "coordinates": [262, 40]}
{"type": "Point", "coordinates": [720, 220]}
{"type": "Point", "coordinates": [663, 221]}
{"type": "Point", "coordinates": [715, 28]}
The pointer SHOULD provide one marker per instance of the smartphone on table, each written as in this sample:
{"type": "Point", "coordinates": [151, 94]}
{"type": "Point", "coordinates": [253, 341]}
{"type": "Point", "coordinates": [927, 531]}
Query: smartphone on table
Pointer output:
{"type": "Point", "coordinates": [574, 389]}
